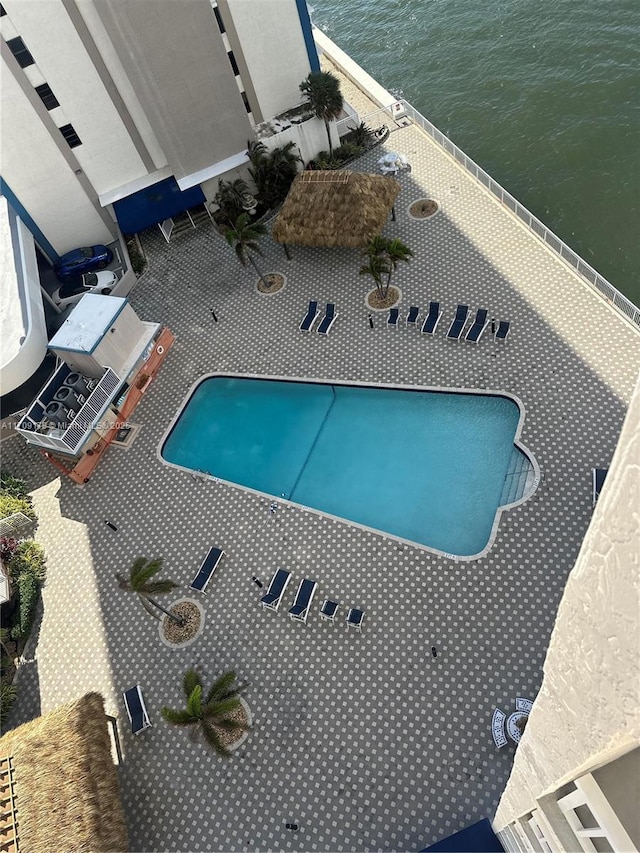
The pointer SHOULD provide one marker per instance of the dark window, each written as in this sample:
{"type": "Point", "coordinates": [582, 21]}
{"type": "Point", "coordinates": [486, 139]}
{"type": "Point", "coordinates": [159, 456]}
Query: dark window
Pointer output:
{"type": "Point", "coordinates": [234, 64]}
{"type": "Point", "coordinates": [3, 11]}
{"type": "Point", "coordinates": [19, 49]}
{"type": "Point", "coordinates": [221, 26]}
{"type": "Point", "coordinates": [245, 100]}
{"type": "Point", "coordinates": [47, 97]}
{"type": "Point", "coordinates": [71, 136]}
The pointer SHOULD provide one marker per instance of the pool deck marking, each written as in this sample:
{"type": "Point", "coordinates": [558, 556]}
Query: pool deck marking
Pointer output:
{"type": "Point", "coordinates": [361, 739]}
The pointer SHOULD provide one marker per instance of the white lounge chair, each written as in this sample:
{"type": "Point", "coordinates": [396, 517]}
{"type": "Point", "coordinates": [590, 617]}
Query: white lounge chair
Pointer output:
{"type": "Point", "coordinates": [206, 570]}
{"type": "Point", "coordinates": [304, 597]}
{"type": "Point", "coordinates": [273, 596]}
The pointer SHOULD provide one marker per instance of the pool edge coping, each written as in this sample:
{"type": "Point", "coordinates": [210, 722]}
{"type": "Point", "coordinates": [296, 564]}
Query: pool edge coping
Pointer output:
{"type": "Point", "coordinates": [382, 386]}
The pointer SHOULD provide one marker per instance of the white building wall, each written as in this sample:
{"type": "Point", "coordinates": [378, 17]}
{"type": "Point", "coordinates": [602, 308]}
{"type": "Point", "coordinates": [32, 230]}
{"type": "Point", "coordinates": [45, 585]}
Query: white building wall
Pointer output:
{"type": "Point", "coordinates": [589, 702]}
{"type": "Point", "coordinates": [274, 51]}
{"type": "Point", "coordinates": [107, 155]}
{"type": "Point", "coordinates": [23, 331]}
{"type": "Point", "coordinates": [40, 176]}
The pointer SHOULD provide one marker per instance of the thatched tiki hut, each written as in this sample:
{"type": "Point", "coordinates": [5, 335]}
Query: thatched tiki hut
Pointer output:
{"type": "Point", "coordinates": [60, 784]}
{"type": "Point", "coordinates": [339, 208]}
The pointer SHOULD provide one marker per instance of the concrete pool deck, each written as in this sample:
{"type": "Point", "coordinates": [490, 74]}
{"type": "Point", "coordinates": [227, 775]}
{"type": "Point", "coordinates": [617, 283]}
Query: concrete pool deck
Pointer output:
{"type": "Point", "coordinates": [365, 740]}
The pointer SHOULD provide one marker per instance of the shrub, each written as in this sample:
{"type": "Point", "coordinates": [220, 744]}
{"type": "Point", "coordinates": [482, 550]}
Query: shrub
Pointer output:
{"type": "Point", "coordinates": [138, 260]}
{"type": "Point", "coordinates": [28, 558]}
{"type": "Point", "coordinates": [13, 486]}
{"type": "Point", "coordinates": [361, 136]}
{"type": "Point", "coordinates": [8, 547]}
{"type": "Point", "coordinates": [28, 588]}
{"type": "Point", "coordinates": [347, 151]}
{"type": "Point", "coordinates": [10, 503]}
{"type": "Point", "coordinates": [8, 695]}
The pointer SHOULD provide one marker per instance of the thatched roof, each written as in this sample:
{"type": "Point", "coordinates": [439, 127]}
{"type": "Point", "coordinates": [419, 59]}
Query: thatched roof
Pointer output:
{"type": "Point", "coordinates": [338, 208]}
{"type": "Point", "coordinates": [66, 788]}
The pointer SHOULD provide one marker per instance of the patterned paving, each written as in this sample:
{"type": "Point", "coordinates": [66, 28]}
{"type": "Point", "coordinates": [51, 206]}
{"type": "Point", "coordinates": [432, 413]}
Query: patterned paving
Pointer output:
{"type": "Point", "coordinates": [364, 740]}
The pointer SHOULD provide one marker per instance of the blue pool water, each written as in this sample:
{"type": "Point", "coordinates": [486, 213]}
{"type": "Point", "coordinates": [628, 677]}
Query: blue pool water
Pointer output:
{"type": "Point", "coordinates": [421, 465]}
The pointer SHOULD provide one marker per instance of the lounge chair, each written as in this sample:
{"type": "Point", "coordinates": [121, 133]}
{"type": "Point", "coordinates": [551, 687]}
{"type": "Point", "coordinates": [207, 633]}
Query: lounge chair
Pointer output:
{"type": "Point", "coordinates": [304, 597]}
{"type": "Point", "coordinates": [355, 618]}
{"type": "Point", "coordinates": [329, 609]}
{"type": "Point", "coordinates": [206, 570]}
{"type": "Point", "coordinates": [502, 331]}
{"type": "Point", "coordinates": [477, 328]}
{"type": "Point", "coordinates": [273, 596]}
{"type": "Point", "coordinates": [136, 710]}
{"type": "Point", "coordinates": [432, 319]}
{"type": "Point", "coordinates": [310, 317]}
{"type": "Point", "coordinates": [412, 315]}
{"type": "Point", "coordinates": [456, 327]}
{"type": "Point", "coordinates": [392, 319]}
{"type": "Point", "coordinates": [328, 320]}
{"type": "Point", "coordinates": [598, 477]}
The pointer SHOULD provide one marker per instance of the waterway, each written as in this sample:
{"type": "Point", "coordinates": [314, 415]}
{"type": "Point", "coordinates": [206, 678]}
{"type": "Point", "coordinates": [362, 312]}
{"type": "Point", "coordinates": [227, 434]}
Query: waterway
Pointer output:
{"type": "Point", "coordinates": [543, 95]}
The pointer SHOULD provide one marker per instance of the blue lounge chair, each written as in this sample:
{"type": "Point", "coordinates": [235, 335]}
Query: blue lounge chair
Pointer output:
{"type": "Point", "coordinates": [392, 319]}
{"type": "Point", "coordinates": [273, 596]}
{"type": "Point", "coordinates": [456, 327]}
{"type": "Point", "coordinates": [432, 319]}
{"type": "Point", "coordinates": [477, 328]}
{"type": "Point", "coordinates": [310, 317]}
{"type": "Point", "coordinates": [136, 710]}
{"type": "Point", "coordinates": [304, 597]}
{"type": "Point", "coordinates": [502, 331]}
{"type": "Point", "coordinates": [598, 476]}
{"type": "Point", "coordinates": [412, 315]}
{"type": "Point", "coordinates": [328, 320]}
{"type": "Point", "coordinates": [206, 570]}
{"type": "Point", "coordinates": [329, 609]}
{"type": "Point", "coordinates": [355, 618]}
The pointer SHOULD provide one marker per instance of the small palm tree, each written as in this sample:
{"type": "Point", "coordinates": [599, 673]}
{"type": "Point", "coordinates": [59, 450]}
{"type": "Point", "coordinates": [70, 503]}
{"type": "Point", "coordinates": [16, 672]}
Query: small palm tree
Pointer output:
{"type": "Point", "coordinates": [140, 581]}
{"type": "Point", "coordinates": [243, 237]}
{"type": "Point", "coordinates": [210, 712]}
{"type": "Point", "coordinates": [322, 92]}
{"type": "Point", "coordinates": [383, 256]}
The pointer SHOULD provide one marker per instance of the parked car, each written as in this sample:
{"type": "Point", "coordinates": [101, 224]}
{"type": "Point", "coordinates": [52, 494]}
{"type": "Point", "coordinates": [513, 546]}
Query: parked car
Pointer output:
{"type": "Point", "coordinates": [80, 261]}
{"type": "Point", "coordinates": [91, 282]}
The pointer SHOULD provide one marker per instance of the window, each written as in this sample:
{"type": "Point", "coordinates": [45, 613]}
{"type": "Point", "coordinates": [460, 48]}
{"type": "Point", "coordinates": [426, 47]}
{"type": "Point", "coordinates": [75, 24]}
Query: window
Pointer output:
{"type": "Point", "coordinates": [47, 97]}
{"type": "Point", "coordinates": [221, 26]}
{"type": "Point", "coordinates": [538, 832]}
{"type": "Point", "coordinates": [593, 821]}
{"type": "Point", "coordinates": [3, 11]}
{"type": "Point", "coordinates": [19, 49]}
{"type": "Point", "coordinates": [245, 101]}
{"type": "Point", "coordinates": [234, 64]}
{"type": "Point", "coordinates": [71, 136]}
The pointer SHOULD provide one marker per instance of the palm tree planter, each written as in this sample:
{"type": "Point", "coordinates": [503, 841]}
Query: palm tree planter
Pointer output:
{"type": "Point", "coordinates": [178, 636]}
{"type": "Point", "coordinates": [275, 283]}
{"type": "Point", "coordinates": [423, 208]}
{"type": "Point", "coordinates": [221, 716]}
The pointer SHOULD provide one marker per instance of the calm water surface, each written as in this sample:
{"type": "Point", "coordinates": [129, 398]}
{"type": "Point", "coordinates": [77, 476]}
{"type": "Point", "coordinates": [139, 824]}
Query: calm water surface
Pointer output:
{"type": "Point", "coordinates": [543, 95]}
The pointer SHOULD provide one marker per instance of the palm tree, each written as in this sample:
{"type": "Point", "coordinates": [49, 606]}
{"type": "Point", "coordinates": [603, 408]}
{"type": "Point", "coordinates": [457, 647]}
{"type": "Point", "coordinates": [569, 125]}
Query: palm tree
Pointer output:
{"type": "Point", "coordinates": [384, 255]}
{"type": "Point", "coordinates": [273, 171]}
{"type": "Point", "coordinates": [140, 581]}
{"type": "Point", "coordinates": [322, 92]}
{"type": "Point", "coordinates": [211, 712]}
{"type": "Point", "coordinates": [243, 237]}
{"type": "Point", "coordinates": [231, 198]}
{"type": "Point", "coordinates": [376, 267]}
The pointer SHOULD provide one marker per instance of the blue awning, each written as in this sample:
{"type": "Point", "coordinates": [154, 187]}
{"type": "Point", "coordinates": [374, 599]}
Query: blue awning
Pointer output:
{"type": "Point", "coordinates": [154, 204]}
{"type": "Point", "coordinates": [477, 838]}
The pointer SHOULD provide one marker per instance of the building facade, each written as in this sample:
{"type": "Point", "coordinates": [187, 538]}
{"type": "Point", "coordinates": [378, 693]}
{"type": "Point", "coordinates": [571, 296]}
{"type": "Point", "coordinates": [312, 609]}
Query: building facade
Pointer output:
{"type": "Point", "coordinates": [575, 783]}
{"type": "Point", "coordinates": [118, 115]}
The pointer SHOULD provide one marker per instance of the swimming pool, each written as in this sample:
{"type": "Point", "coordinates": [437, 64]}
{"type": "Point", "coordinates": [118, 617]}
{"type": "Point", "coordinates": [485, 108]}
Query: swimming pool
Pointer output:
{"type": "Point", "coordinates": [426, 466]}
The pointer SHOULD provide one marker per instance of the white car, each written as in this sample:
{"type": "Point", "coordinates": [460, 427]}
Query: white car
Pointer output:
{"type": "Point", "coordinates": [91, 282]}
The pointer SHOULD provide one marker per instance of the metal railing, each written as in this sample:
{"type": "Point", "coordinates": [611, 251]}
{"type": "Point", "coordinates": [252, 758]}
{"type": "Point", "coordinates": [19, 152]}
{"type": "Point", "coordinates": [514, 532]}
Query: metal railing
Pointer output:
{"type": "Point", "coordinates": [630, 311]}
